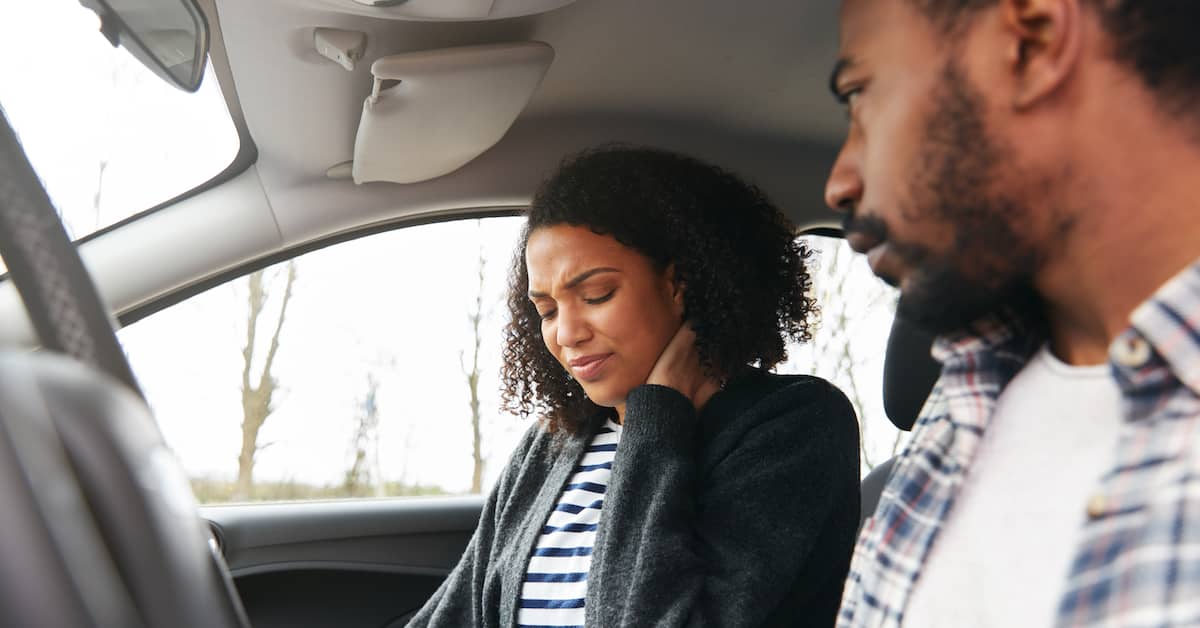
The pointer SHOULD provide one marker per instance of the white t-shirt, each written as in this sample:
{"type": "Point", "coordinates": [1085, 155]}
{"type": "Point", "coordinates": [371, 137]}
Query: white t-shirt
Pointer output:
{"type": "Point", "coordinates": [1005, 549]}
{"type": "Point", "coordinates": [556, 579]}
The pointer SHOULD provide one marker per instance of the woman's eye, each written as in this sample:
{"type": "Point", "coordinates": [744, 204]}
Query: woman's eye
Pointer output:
{"type": "Point", "coordinates": [547, 315]}
{"type": "Point", "coordinates": [600, 299]}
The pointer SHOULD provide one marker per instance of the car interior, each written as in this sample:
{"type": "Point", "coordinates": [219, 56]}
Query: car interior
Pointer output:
{"type": "Point", "coordinates": [352, 117]}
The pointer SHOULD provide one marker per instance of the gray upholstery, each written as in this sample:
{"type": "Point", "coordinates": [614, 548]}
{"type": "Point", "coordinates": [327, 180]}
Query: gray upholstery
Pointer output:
{"type": "Point", "coordinates": [872, 488]}
{"type": "Point", "coordinates": [100, 528]}
{"type": "Point", "coordinates": [909, 373]}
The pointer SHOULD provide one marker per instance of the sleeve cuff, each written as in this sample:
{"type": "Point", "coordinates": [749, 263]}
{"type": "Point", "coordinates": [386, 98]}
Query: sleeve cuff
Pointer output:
{"type": "Point", "coordinates": [659, 413]}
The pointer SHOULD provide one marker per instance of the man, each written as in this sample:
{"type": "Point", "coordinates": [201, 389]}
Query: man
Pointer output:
{"type": "Point", "coordinates": [1025, 172]}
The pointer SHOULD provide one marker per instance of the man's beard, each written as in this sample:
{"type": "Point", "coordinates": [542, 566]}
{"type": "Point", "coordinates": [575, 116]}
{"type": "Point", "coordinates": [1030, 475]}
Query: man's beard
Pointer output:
{"type": "Point", "coordinates": [988, 265]}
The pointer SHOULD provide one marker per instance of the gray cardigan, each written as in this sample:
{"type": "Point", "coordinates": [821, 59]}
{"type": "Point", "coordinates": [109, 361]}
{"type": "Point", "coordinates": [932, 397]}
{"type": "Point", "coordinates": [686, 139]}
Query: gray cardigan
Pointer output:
{"type": "Point", "coordinates": [743, 514]}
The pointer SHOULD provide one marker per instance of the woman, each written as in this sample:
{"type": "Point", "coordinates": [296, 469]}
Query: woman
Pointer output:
{"type": "Point", "coordinates": [671, 480]}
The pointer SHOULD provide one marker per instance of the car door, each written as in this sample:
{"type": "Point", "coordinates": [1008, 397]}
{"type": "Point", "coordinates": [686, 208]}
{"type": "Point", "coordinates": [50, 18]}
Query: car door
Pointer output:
{"type": "Point", "coordinates": [345, 563]}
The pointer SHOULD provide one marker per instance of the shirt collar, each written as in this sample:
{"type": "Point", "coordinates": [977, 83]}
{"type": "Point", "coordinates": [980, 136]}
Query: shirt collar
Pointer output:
{"type": "Point", "coordinates": [1170, 322]}
{"type": "Point", "coordinates": [993, 333]}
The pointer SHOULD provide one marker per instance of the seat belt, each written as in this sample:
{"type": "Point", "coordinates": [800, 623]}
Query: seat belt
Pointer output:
{"type": "Point", "coordinates": [63, 304]}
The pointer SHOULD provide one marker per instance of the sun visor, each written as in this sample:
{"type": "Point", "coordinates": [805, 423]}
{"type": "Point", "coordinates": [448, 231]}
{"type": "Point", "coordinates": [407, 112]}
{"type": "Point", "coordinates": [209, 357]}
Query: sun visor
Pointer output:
{"type": "Point", "coordinates": [438, 10]}
{"type": "Point", "coordinates": [433, 111]}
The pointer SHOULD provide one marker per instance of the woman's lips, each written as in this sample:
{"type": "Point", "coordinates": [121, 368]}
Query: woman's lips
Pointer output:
{"type": "Point", "coordinates": [588, 367]}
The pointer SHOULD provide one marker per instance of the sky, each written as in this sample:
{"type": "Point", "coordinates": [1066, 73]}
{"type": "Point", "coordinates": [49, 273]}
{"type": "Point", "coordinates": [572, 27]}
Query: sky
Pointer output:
{"type": "Point", "coordinates": [392, 306]}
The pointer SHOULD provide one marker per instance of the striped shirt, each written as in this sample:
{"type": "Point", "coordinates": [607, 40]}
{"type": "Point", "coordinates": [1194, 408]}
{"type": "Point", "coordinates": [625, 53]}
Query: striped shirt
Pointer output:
{"type": "Point", "coordinates": [1138, 558]}
{"type": "Point", "coordinates": [556, 580]}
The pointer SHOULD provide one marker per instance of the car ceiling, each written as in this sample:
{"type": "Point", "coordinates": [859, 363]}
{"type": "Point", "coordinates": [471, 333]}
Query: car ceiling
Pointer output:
{"type": "Point", "coordinates": [741, 84]}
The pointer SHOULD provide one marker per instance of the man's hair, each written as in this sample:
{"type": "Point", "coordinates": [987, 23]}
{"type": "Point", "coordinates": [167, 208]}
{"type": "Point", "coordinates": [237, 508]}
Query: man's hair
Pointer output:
{"type": "Point", "coordinates": [1155, 38]}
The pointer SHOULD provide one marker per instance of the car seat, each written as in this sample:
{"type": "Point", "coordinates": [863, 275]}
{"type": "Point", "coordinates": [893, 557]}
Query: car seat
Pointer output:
{"type": "Point", "coordinates": [909, 373]}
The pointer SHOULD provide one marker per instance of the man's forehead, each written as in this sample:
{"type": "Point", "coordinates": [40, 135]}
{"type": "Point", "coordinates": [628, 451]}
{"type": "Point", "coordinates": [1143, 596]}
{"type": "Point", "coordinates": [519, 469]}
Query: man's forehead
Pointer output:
{"type": "Point", "coordinates": [863, 18]}
{"type": "Point", "coordinates": [884, 26]}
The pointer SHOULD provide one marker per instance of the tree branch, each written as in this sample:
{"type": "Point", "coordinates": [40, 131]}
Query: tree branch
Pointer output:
{"type": "Point", "coordinates": [256, 304]}
{"type": "Point", "coordinates": [287, 296]}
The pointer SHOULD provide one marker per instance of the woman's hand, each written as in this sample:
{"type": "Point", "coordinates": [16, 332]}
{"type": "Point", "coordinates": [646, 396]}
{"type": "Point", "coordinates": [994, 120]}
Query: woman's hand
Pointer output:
{"type": "Point", "coordinates": [679, 367]}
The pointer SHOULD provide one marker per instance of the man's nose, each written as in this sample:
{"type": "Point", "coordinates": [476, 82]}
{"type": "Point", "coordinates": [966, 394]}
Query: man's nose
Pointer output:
{"type": "Point", "coordinates": [844, 188]}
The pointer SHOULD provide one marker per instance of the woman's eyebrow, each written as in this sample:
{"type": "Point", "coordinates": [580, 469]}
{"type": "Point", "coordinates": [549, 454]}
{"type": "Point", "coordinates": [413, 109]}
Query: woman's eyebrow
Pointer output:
{"type": "Point", "coordinates": [576, 280]}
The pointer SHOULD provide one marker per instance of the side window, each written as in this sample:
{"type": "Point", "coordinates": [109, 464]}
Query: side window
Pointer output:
{"type": "Point", "coordinates": [369, 368]}
{"type": "Point", "coordinates": [848, 346]}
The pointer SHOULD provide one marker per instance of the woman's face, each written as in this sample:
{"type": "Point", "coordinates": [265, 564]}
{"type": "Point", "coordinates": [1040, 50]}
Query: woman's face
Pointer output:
{"type": "Point", "coordinates": [607, 313]}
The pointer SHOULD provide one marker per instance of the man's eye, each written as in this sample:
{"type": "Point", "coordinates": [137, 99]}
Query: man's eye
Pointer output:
{"type": "Point", "coordinates": [600, 299]}
{"type": "Point", "coordinates": [849, 95]}
{"type": "Point", "coordinates": [849, 100]}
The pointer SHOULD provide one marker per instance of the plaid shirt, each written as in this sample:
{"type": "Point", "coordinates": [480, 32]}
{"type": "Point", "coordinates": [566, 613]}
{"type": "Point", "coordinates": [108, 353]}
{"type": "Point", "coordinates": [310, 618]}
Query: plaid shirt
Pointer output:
{"type": "Point", "coordinates": [1138, 563]}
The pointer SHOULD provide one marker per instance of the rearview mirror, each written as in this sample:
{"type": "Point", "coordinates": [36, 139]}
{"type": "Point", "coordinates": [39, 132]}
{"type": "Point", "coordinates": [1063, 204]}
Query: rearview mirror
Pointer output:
{"type": "Point", "coordinates": [168, 36]}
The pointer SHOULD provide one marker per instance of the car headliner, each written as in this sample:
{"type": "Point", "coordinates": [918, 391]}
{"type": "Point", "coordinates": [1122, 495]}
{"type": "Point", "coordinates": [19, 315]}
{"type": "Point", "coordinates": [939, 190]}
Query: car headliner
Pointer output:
{"type": "Point", "coordinates": [739, 83]}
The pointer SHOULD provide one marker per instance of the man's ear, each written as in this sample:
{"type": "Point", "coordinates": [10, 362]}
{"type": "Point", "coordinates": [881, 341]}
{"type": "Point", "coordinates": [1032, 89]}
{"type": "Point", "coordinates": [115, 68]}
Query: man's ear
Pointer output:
{"type": "Point", "coordinates": [1044, 49]}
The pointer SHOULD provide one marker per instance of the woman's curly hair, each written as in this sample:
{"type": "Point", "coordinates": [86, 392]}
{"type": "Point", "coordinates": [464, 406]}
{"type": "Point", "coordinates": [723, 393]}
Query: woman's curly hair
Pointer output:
{"type": "Point", "coordinates": [744, 274]}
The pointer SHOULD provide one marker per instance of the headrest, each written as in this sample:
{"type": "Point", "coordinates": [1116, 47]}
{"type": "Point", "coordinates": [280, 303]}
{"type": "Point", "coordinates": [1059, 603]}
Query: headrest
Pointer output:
{"type": "Point", "coordinates": [909, 372]}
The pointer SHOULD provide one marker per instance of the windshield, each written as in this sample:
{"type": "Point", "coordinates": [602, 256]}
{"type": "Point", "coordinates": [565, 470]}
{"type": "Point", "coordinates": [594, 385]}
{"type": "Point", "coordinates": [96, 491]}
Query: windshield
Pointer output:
{"type": "Point", "coordinates": [106, 136]}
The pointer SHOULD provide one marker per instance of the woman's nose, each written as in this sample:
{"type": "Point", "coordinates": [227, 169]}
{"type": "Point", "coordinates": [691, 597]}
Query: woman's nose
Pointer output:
{"type": "Point", "coordinates": [571, 328]}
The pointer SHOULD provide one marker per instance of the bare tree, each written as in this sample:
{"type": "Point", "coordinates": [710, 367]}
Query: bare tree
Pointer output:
{"type": "Point", "coordinates": [406, 446]}
{"type": "Point", "coordinates": [256, 397]}
{"type": "Point", "coordinates": [364, 467]}
{"type": "Point", "coordinates": [475, 317]}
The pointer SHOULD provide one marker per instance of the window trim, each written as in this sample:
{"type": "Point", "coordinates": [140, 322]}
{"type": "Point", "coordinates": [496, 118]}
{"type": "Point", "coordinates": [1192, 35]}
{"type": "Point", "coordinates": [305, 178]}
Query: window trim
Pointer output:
{"type": "Point", "coordinates": [137, 313]}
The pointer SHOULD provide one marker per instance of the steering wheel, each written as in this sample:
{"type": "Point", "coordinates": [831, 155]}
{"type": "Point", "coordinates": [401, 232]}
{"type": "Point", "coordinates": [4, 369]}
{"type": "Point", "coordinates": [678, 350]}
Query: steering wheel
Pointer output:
{"type": "Point", "coordinates": [100, 525]}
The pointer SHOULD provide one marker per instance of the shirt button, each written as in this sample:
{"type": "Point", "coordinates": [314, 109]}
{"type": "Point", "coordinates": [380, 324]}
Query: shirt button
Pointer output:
{"type": "Point", "coordinates": [1132, 352]}
{"type": "Point", "coordinates": [1096, 505]}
